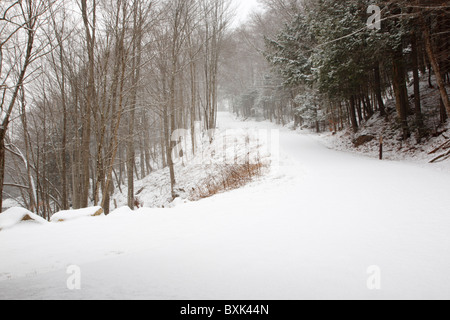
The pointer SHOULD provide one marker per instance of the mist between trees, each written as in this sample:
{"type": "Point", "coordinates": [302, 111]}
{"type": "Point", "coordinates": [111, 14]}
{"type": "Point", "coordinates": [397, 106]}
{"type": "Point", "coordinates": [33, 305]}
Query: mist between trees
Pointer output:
{"type": "Point", "coordinates": [92, 91]}
{"type": "Point", "coordinates": [231, 146]}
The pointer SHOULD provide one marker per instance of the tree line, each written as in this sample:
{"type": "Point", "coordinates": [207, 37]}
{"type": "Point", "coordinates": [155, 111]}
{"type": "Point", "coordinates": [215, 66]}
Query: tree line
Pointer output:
{"type": "Point", "coordinates": [325, 68]}
{"type": "Point", "coordinates": [92, 90]}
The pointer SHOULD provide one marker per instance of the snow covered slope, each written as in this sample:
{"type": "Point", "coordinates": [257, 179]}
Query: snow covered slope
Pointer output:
{"type": "Point", "coordinates": [69, 215]}
{"type": "Point", "coordinates": [14, 216]}
{"type": "Point", "coordinates": [231, 145]}
{"type": "Point", "coordinates": [311, 229]}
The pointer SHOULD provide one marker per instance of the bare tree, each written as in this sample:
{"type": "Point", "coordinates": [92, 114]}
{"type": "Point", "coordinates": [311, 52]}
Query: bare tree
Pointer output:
{"type": "Point", "coordinates": [19, 23]}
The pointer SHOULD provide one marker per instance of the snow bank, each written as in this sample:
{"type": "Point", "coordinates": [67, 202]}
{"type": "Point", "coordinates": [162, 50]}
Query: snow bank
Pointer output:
{"type": "Point", "coordinates": [14, 216]}
{"type": "Point", "coordinates": [76, 214]}
{"type": "Point", "coordinates": [123, 211]}
{"type": "Point", "coordinates": [177, 202]}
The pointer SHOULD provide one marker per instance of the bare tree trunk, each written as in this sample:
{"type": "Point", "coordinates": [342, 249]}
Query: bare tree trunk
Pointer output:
{"type": "Point", "coordinates": [417, 99]}
{"type": "Point", "coordinates": [378, 91]}
{"type": "Point", "coordinates": [90, 100]}
{"type": "Point", "coordinates": [136, 62]}
{"type": "Point", "coordinates": [32, 191]}
{"type": "Point", "coordinates": [353, 119]}
{"type": "Point", "coordinates": [437, 70]}
{"type": "Point", "coordinates": [114, 143]}
{"type": "Point", "coordinates": [30, 25]}
{"type": "Point", "coordinates": [401, 93]}
{"type": "Point", "coordinates": [2, 163]}
{"type": "Point", "coordinates": [61, 79]}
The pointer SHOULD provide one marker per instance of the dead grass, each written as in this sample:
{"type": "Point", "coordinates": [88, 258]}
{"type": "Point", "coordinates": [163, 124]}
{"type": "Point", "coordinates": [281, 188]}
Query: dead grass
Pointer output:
{"type": "Point", "coordinates": [227, 177]}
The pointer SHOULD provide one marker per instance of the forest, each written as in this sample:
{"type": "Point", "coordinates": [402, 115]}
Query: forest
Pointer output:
{"type": "Point", "coordinates": [329, 70]}
{"type": "Point", "coordinates": [92, 90]}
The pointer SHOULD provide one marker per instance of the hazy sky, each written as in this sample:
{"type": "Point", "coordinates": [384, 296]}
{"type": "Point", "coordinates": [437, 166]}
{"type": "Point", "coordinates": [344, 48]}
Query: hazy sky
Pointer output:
{"type": "Point", "coordinates": [243, 8]}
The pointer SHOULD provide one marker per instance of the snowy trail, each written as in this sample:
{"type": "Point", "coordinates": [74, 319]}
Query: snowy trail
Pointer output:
{"type": "Point", "coordinates": [310, 230]}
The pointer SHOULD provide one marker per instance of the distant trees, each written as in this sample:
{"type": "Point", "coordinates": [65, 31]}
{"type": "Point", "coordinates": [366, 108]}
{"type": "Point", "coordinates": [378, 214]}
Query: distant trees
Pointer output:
{"type": "Point", "coordinates": [112, 81]}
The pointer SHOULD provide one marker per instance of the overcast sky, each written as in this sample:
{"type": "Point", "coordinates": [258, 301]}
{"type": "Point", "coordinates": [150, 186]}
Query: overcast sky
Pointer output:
{"type": "Point", "coordinates": [243, 9]}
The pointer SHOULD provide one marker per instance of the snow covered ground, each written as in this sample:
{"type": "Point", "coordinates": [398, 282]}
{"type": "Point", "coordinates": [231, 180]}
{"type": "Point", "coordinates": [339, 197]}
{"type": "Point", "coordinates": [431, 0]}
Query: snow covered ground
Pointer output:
{"type": "Point", "coordinates": [394, 147]}
{"type": "Point", "coordinates": [311, 229]}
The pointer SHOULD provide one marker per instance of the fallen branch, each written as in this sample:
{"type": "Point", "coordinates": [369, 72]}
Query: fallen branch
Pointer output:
{"type": "Point", "coordinates": [444, 146]}
{"type": "Point", "coordinates": [140, 191]}
{"type": "Point", "coordinates": [442, 157]}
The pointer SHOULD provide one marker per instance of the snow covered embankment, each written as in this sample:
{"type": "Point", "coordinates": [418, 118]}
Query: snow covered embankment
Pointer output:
{"type": "Point", "coordinates": [310, 230]}
{"type": "Point", "coordinates": [236, 157]}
